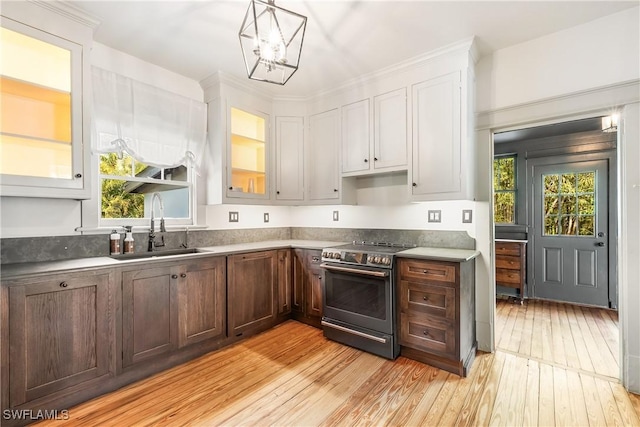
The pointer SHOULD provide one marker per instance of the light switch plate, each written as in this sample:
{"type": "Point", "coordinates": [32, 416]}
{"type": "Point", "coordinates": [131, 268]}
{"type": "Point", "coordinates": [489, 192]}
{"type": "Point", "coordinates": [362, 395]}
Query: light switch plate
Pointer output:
{"type": "Point", "coordinates": [336, 215]}
{"type": "Point", "coordinates": [266, 217]}
{"type": "Point", "coordinates": [434, 215]}
{"type": "Point", "coordinates": [234, 216]}
{"type": "Point", "coordinates": [467, 216]}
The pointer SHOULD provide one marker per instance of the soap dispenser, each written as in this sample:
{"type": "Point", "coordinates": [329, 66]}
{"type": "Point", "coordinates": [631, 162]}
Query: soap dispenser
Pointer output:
{"type": "Point", "coordinates": [114, 239]}
{"type": "Point", "coordinates": [128, 241]}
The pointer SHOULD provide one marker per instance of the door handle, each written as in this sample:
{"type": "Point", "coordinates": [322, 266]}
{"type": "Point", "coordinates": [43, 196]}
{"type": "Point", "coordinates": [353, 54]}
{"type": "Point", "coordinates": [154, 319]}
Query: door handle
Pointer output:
{"type": "Point", "coordinates": [600, 244]}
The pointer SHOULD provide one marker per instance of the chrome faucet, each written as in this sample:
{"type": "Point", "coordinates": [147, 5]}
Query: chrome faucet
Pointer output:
{"type": "Point", "coordinates": [152, 235]}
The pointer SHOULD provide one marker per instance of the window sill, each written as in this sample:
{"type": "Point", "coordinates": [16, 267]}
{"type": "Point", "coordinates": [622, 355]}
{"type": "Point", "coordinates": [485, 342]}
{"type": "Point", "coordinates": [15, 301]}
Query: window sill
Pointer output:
{"type": "Point", "coordinates": [137, 228]}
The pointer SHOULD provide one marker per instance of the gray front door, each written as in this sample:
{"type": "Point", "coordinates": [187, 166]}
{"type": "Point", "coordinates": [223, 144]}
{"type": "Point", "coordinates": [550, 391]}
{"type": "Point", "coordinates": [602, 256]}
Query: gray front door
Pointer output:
{"type": "Point", "coordinates": [570, 235]}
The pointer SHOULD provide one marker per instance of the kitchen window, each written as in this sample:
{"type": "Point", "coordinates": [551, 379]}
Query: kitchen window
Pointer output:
{"type": "Point", "coordinates": [504, 189]}
{"type": "Point", "coordinates": [41, 130]}
{"type": "Point", "coordinates": [146, 141]}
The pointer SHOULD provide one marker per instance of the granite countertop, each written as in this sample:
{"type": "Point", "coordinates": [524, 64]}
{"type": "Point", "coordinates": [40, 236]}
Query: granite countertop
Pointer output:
{"type": "Point", "coordinates": [10, 271]}
{"type": "Point", "coordinates": [439, 254]}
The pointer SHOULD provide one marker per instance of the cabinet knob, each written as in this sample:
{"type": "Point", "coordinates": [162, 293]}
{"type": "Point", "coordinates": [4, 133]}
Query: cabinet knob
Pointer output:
{"type": "Point", "coordinates": [277, 192]}
{"type": "Point", "coordinates": [64, 284]}
{"type": "Point", "coordinates": [78, 175]}
{"type": "Point", "coordinates": [230, 188]}
{"type": "Point", "coordinates": [366, 160]}
{"type": "Point", "coordinates": [414, 184]}
{"type": "Point", "coordinates": [425, 298]}
{"type": "Point", "coordinates": [375, 159]}
{"type": "Point", "coordinates": [425, 333]}
{"type": "Point", "coordinates": [174, 276]}
{"type": "Point", "coordinates": [335, 190]}
{"type": "Point", "coordinates": [183, 275]}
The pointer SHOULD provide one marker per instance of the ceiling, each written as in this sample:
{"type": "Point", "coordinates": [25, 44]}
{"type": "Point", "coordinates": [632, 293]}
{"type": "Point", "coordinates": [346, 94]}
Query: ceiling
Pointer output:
{"type": "Point", "coordinates": [343, 40]}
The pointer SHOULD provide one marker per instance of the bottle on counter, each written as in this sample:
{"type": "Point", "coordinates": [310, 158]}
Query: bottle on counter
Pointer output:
{"type": "Point", "coordinates": [115, 242]}
{"type": "Point", "coordinates": [128, 241]}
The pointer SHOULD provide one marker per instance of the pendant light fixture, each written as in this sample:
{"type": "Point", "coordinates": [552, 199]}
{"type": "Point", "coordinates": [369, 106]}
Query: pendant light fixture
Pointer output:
{"type": "Point", "coordinates": [271, 40]}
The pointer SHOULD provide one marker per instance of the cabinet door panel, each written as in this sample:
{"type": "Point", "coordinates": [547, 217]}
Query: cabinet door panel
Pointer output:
{"type": "Point", "coordinates": [429, 334]}
{"type": "Point", "coordinates": [289, 158]}
{"type": "Point", "coordinates": [59, 335]}
{"type": "Point", "coordinates": [436, 136]}
{"type": "Point", "coordinates": [201, 302]}
{"type": "Point", "coordinates": [323, 162]}
{"type": "Point", "coordinates": [297, 294]}
{"type": "Point", "coordinates": [314, 307]}
{"type": "Point", "coordinates": [355, 137]}
{"type": "Point", "coordinates": [252, 290]}
{"type": "Point", "coordinates": [148, 314]}
{"type": "Point", "coordinates": [284, 281]}
{"type": "Point", "coordinates": [390, 134]}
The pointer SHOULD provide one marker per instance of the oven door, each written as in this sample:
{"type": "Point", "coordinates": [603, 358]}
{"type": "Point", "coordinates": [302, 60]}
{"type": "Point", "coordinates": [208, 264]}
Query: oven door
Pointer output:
{"type": "Point", "coordinates": [359, 296]}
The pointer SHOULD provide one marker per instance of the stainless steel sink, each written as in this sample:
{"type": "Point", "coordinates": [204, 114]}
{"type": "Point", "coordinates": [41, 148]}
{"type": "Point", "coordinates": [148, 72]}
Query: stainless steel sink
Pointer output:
{"type": "Point", "coordinates": [154, 254]}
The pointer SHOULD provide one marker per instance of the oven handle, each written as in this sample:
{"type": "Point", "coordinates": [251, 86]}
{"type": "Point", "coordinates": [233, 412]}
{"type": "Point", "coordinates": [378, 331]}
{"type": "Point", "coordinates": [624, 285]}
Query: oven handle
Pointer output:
{"type": "Point", "coordinates": [355, 271]}
{"type": "Point", "coordinates": [351, 331]}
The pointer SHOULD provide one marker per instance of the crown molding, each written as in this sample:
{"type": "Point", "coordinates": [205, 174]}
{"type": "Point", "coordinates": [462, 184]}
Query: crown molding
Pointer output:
{"type": "Point", "coordinates": [69, 11]}
{"type": "Point", "coordinates": [465, 45]}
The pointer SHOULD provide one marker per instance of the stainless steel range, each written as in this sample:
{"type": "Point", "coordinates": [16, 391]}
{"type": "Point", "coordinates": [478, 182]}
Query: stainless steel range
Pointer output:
{"type": "Point", "coordinates": [359, 296]}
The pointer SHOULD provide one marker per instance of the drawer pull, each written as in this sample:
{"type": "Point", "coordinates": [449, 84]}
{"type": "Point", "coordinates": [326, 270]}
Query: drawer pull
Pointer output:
{"type": "Point", "coordinates": [64, 284]}
{"type": "Point", "coordinates": [183, 275]}
{"type": "Point", "coordinates": [174, 276]}
{"type": "Point", "coordinates": [426, 334]}
{"type": "Point", "coordinates": [425, 298]}
{"type": "Point", "coordinates": [425, 271]}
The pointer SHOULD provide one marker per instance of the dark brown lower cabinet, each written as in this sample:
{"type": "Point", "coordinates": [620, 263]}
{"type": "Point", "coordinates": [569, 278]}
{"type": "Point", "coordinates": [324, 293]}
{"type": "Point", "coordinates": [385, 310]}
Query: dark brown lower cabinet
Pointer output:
{"type": "Point", "coordinates": [307, 286]}
{"type": "Point", "coordinates": [436, 316]}
{"type": "Point", "coordinates": [165, 308]}
{"type": "Point", "coordinates": [59, 335]}
{"type": "Point", "coordinates": [251, 291]}
{"type": "Point", "coordinates": [284, 281]}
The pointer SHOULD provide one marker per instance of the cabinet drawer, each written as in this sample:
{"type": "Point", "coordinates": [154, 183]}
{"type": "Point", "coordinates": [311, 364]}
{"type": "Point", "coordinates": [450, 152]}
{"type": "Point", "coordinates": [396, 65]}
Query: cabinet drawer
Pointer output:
{"type": "Point", "coordinates": [504, 276]}
{"type": "Point", "coordinates": [427, 270]}
{"type": "Point", "coordinates": [427, 298]}
{"type": "Point", "coordinates": [428, 334]}
{"type": "Point", "coordinates": [508, 262]}
{"type": "Point", "coordinates": [508, 248]}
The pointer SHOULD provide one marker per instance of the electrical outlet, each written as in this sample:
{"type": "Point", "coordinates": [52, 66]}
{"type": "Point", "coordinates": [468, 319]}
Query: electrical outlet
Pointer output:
{"type": "Point", "coordinates": [266, 217]}
{"type": "Point", "coordinates": [467, 216]}
{"type": "Point", "coordinates": [434, 215]}
{"type": "Point", "coordinates": [234, 216]}
{"type": "Point", "coordinates": [336, 215]}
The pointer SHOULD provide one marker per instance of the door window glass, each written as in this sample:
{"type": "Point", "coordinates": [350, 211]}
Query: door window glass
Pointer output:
{"type": "Point", "coordinates": [569, 201]}
{"type": "Point", "coordinates": [504, 184]}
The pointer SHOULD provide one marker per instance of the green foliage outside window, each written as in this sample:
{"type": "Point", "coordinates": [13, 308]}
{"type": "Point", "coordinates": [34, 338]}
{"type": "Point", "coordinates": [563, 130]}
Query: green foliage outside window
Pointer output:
{"type": "Point", "coordinates": [504, 185]}
{"type": "Point", "coordinates": [117, 202]}
{"type": "Point", "coordinates": [569, 204]}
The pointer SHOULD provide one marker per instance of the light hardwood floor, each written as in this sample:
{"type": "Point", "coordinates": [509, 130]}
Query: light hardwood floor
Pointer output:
{"type": "Point", "coordinates": [292, 376]}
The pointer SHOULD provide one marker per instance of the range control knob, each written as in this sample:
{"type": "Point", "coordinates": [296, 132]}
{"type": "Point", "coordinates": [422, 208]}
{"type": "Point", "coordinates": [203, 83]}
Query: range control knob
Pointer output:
{"type": "Point", "coordinates": [337, 255]}
{"type": "Point", "coordinates": [386, 261]}
{"type": "Point", "coordinates": [377, 260]}
{"type": "Point", "coordinates": [324, 254]}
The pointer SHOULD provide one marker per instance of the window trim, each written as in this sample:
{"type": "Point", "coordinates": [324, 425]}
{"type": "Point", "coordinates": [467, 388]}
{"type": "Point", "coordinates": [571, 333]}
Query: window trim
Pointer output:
{"type": "Point", "coordinates": [514, 191]}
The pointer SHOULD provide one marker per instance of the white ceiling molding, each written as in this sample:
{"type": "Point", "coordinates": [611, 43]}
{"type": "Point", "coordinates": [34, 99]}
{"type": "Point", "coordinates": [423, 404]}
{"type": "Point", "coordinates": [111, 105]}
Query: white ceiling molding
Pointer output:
{"type": "Point", "coordinates": [69, 11]}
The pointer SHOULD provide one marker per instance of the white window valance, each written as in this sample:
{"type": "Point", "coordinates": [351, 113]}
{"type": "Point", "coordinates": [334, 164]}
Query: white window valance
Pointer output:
{"type": "Point", "coordinates": [153, 125]}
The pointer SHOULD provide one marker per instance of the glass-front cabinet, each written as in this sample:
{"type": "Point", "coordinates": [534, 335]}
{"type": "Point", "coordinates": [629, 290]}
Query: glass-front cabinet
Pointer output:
{"type": "Point", "coordinates": [248, 154]}
{"type": "Point", "coordinates": [41, 126]}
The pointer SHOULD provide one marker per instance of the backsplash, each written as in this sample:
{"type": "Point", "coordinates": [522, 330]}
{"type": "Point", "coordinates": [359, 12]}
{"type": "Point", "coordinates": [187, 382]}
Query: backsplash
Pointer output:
{"type": "Point", "coordinates": [38, 249]}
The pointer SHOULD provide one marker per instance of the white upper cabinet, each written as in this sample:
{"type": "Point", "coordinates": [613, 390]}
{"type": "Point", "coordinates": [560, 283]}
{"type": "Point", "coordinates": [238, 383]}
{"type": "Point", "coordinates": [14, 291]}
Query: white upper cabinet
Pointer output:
{"type": "Point", "coordinates": [44, 131]}
{"type": "Point", "coordinates": [387, 150]}
{"type": "Point", "coordinates": [437, 143]}
{"type": "Point", "coordinates": [289, 158]}
{"type": "Point", "coordinates": [356, 138]}
{"type": "Point", "coordinates": [390, 132]}
{"type": "Point", "coordinates": [323, 160]}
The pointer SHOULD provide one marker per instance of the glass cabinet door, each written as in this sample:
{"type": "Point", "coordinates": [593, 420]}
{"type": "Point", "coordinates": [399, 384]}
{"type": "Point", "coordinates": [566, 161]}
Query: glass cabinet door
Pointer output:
{"type": "Point", "coordinates": [248, 155]}
{"type": "Point", "coordinates": [41, 125]}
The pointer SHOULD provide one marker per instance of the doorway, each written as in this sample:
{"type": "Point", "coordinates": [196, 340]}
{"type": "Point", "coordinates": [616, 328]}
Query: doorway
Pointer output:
{"type": "Point", "coordinates": [564, 206]}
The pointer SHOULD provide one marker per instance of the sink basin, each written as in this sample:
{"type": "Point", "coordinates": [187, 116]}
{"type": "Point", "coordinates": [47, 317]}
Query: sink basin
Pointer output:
{"type": "Point", "coordinates": [156, 254]}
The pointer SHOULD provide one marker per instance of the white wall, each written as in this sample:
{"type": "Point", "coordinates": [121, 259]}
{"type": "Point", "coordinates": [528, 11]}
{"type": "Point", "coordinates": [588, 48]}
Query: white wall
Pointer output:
{"type": "Point", "coordinates": [595, 54]}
